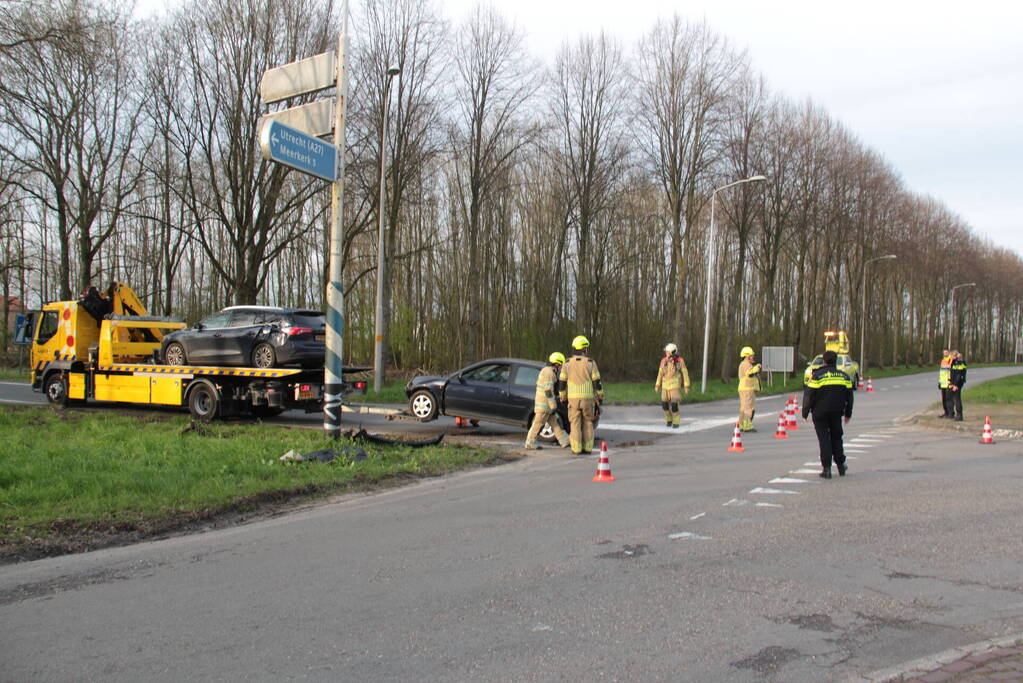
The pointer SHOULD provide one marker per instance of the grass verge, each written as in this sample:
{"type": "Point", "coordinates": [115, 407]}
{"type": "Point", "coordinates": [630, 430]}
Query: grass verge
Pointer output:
{"type": "Point", "coordinates": [76, 480]}
{"type": "Point", "coordinates": [1000, 399]}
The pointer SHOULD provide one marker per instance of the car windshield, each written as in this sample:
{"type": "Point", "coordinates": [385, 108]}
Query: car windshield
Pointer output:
{"type": "Point", "coordinates": [217, 319]}
{"type": "Point", "coordinates": [817, 360]}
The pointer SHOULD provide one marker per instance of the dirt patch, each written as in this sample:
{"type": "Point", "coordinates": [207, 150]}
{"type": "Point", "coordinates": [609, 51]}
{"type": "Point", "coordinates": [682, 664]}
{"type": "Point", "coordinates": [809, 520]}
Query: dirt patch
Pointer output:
{"type": "Point", "coordinates": [63, 536]}
{"type": "Point", "coordinates": [1006, 420]}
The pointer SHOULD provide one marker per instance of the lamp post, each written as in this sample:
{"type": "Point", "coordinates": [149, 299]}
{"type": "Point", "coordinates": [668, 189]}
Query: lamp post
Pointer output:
{"type": "Point", "coordinates": [378, 345]}
{"type": "Point", "coordinates": [710, 267]}
{"type": "Point", "coordinates": [952, 309]}
{"type": "Point", "coordinates": [863, 314]}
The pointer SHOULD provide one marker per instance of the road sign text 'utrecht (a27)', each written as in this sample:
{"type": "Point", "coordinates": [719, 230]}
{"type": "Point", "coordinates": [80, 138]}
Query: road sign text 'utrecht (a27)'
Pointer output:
{"type": "Point", "coordinates": [296, 149]}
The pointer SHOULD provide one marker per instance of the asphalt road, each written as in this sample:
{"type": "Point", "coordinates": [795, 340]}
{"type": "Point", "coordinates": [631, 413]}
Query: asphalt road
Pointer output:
{"type": "Point", "coordinates": [695, 565]}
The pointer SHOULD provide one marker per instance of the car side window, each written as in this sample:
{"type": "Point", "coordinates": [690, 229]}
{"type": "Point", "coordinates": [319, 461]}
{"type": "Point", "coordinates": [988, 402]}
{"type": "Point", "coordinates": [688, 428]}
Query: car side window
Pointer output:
{"type": "Point", "coordinates": [216, 320]}
{"type": "Point", "coordinates": [242, 318]}
{"type": "Point", "coordinates": [496, 374]}
{"type": "Point", "coordinates": [268, 318]}
{"type": "Point", "coordinates": [526, 376]}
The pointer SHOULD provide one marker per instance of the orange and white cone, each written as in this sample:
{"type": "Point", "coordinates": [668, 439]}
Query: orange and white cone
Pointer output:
{"type": "Point", "coordinates": [861, 382]}
{"type": "Point", "coordinates": [791, 424]}
{"type": "Point", "coordinates": [987, 436]}
{"type": "Point", "coordinates": [603, 465]}
{"type": "Point", "coordinates": [870, 386]}
{"type": "Point", "coordinates": [780, 432]}
{"type": "Point", "coordinates": [736, 446]}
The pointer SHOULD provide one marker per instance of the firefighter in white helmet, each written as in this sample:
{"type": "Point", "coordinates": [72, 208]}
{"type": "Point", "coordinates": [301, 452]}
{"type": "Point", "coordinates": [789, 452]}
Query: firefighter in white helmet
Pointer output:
{"type": "Point", "coordinates": [579, 386]}
{"type": "Point", "coordinates": [672, 376]}
{"type": "Point", "coordinates": [545, 404]}
{"type": "Point", "coordinates": [749, 385]}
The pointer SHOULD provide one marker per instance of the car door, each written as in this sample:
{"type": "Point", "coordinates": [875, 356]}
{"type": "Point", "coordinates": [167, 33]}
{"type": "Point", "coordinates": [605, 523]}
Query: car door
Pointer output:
{"type": "Point", "coordinates": [240, 337]}
{"type": "Point", "coordinates": [522, 392]}
{"type": "Point", "coordinates": [201, 343]}
{"type": "Point", "coordinates": [479, 391]}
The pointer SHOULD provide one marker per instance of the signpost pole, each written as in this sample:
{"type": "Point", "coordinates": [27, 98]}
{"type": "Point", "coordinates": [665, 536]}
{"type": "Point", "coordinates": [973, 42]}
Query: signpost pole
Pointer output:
{"type": "Point", "coordinates": [333, 387]}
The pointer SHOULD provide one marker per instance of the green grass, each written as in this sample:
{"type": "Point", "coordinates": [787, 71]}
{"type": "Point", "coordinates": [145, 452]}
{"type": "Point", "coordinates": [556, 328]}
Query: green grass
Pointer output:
{"type": "Point", "coordinates": [1004, 390]}
{"type": "Point", "coordinates": [393, 391]}
{"type": "Point", "coordinates": [79, 469]}
{"type": "Point", "coordinates": [14, 374]}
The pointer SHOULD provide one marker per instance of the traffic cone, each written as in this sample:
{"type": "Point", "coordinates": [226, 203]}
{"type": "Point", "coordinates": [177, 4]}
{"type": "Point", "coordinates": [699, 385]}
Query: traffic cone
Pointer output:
{"type": "Point", "coordinates": [736, 446]}
{"type": "Point", "coordinates": [793, 411]}
{"type": "Point", "coordinates": [870, 386]}
{"type": "Point", "coordinates": [987, 436]}
{"type": "Point", "coordinates": [459, 421]}
{"type": "Point", "coordinates": [603, 465]}
{"type": "Point", "coordinates": [780, 432]}
{"type": "Point", "coordinates": [861, 382]}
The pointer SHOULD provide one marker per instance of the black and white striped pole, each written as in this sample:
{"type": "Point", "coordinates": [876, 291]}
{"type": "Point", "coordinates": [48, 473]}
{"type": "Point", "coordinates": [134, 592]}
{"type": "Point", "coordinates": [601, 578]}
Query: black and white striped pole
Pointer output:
{"type": "Point", "coordinates": [333, 380]}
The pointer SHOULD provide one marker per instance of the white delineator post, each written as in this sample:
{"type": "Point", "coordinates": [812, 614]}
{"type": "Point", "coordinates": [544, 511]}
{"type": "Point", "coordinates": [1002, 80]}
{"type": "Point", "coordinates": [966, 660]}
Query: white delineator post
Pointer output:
{"type": "Point", "coordinates": [333, 380]}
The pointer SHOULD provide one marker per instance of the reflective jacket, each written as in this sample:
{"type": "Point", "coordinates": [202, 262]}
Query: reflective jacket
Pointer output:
{"type": "Point", "coordinates": [829, 391]}
{"type": "Point", "coordinates": [671, 371]}
{"type": "Point", "coordinates": [749, 375]}
{"type": "Point", "coordinates": [957, 373]}
{"type": "Point", "coordinates": [945, 372]}
{"type": "Point", "coordinates": [545, 382]}
{"type": "Point", "coordinates": [580, 378]}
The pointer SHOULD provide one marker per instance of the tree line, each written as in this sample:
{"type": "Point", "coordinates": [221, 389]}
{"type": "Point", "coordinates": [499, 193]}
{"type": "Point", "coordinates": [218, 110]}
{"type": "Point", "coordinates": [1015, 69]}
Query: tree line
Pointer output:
{"type": "Point", "coordinates": [527, 200]}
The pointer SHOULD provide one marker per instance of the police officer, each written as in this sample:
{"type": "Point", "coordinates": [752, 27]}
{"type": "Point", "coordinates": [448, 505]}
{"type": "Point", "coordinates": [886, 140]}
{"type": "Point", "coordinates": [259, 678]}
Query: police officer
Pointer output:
{"type": "Point", "coordinates": [671, 371]}
{"type": "Point", "coordinates": [956, 380]}
{"type": "Point", "coordinates": [829, 396]}
{"type": "Point", "coordinates": [545, 406]}
{"type": "Point", "coordinates": [579, 386]}
{"type": "Point", "coordinates": [749, 385]}
{"type": "Point", "coordinates": [945, 382]}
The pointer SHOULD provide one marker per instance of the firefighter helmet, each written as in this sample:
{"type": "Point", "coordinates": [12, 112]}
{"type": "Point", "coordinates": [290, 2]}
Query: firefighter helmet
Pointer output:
{"type": "Point", "coordinates": [580, 342]}
{"type": "Point", "coordinates": [746, 351]}
{"type": "Point", "coordinates": [557, 358]}
{"type": "Point", "coordinates": [671, 348]}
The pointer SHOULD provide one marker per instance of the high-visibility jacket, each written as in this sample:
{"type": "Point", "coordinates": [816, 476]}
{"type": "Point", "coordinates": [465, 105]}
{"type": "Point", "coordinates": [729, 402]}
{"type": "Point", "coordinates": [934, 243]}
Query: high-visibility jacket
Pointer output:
{"type": "Point", "coordinates": [545, 390]}
{"type": "Point", "coordinates": [672, 370]}
{"type": "Point", "coordinates": [749, 375]}
{"type": "Point", "coordinates": [945, 372]}
{"type": "Point", "coordinates": [957, 373]}
{"type": "Point", "coordinates": [829, 390]}
{"type": "Point", "coordinates": [580, 378]}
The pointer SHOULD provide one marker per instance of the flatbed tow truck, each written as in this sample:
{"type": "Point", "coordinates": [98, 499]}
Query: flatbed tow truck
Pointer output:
{"type": "Point", "coordinates": [104, 347]}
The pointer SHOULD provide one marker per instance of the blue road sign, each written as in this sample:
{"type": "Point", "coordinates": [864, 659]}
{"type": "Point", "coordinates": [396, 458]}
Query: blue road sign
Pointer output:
{"type": "Point", "coordinates": [296, 149]}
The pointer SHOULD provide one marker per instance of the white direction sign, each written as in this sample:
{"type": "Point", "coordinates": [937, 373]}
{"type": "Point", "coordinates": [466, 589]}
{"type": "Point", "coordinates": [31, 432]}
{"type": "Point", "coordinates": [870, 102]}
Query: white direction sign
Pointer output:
{"type": "Point", "coordinates": [315, 118]}
{"type": "Point", "coordinates": [305, 75]}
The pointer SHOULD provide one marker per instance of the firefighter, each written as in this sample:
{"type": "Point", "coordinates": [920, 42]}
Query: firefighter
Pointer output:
{"type": "Point", "coordinates": [579, 386]}
{"type": "Point", "coordinates": [749, 385]}
{"type": "Point", "coordinates": [672, 369]}
{"type": "Point", "coordinates": [956, 380]}
{"type": "Point", "coordinates": [945, 383]}
{"type": "Point", "coordinates": [829, 396]}
{"type": "Point", "coordinates": [545, 406]}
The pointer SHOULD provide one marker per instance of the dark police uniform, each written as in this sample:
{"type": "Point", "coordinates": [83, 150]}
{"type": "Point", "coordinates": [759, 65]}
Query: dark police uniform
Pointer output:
{"type": "Point", "coordinates": [957, 378]}
{"type": "Point", "coordinates": [829, 396]}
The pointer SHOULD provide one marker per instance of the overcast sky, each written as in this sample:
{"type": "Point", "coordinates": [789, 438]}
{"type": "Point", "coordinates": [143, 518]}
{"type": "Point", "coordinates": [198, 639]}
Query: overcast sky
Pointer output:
{"type": "Point", "coordinates": [934, 87]}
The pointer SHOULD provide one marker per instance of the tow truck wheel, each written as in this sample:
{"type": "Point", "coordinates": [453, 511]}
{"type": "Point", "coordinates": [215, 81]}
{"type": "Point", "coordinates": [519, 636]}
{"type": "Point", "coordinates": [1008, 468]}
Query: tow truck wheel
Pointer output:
{"type": "Point", "coordinates": [175, 355]}
{"type": "Point", "coordinates": [423, 405]}
{"type": "Point", "coordinates": [263, 356]}
{"type": "Point", "coordinates": [203, 402]}
{"type": "Point", "coordinates": [56, 390]}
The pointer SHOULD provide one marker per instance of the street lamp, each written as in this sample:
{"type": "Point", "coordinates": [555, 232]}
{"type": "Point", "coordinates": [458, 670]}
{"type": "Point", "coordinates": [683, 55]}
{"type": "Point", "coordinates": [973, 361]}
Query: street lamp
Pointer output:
{"type": "Point", "coordinates": [863, 315]}
{"type": "Point", "coordinates": [378, 345]}
{"type": "Point", "coordinates": [710, 267]}
{"type": "Point", "coordinates": [952, 309]}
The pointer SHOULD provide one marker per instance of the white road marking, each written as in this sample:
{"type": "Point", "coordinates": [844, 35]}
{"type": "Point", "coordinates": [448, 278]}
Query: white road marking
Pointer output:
{"type": "Point", "coordinates": [787, 480]}
{"type": "Point", "coordinates": [802, 471]}
{"type": "Point", "coordinates": [854, 450]}
{"type": "Point", "coordinates": [697, 516]}
{"type": "Point", "coordinates": [810, 464]}
{"type": "Point", "coordinates": [689, 534]}
{"type": "Point", "coordinates": [770, 505]}
{"type": "Point", "coordinates": [761, 489]}
{"type": "Point", "coordinates": [735, 502]}
{"type": "Point", "coordinates": [696, 426]}
{"type": "Point", "coordinates": [16, 384]}
{"type": "Point", "coordinates": [27, 403]}
{"type": "Point", "coordinates": [874, 436]}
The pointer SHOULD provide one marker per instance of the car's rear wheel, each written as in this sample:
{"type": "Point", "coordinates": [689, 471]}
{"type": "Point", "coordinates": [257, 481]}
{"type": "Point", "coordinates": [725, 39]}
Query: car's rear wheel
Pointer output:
{"type": "Point", "coordinates": [263, 356]}
{"type": "Point", "coordinates": [423, 405]}
{"type": "Point", "coordinates": [175, 354]}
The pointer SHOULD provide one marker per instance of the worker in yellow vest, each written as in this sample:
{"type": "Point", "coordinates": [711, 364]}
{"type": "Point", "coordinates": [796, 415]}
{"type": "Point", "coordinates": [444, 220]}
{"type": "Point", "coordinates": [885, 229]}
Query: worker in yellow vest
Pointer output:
{"type": "Point", "coordinates": [945, 382]}
{"type": "Point", "coordinates": [545, 405]}
{"type": "Point", "coordinates": [749, 385]}
{"type": "Point", "coordinates": [672, 375]}
{"type": "Point", "coordinates": [579, 386]}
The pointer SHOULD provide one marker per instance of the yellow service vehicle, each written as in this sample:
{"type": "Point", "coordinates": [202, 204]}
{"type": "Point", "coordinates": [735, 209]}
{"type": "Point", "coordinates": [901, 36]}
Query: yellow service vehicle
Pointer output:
{"type": "Point", "coordinates": [105, 347]}
{"type": "Point", "coordinates": [837, 341]}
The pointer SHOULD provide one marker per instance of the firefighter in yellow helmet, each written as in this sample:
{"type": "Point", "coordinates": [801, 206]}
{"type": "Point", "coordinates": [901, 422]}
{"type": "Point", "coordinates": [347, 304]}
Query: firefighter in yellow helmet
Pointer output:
{"type": "Point", "coordinates": [671, 376]}
{"type": "Point", "coordinates": [545, 405]}
{"type": "Point", "coordinates": [749, 385]}
{"type": "Point", "coordinates": [579, 386]}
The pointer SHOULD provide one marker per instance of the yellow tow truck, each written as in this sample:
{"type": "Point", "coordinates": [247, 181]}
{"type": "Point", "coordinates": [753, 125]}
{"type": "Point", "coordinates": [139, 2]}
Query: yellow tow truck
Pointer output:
{"type": "Point", "coordinates": [837, 341]}
{"type": "Point", "coordinates": [104, 347]}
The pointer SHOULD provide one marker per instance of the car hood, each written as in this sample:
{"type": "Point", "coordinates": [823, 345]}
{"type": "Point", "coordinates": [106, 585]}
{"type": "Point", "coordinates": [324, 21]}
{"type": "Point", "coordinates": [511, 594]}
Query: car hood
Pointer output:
{"type": "Point", "coordinates": [421, 380]}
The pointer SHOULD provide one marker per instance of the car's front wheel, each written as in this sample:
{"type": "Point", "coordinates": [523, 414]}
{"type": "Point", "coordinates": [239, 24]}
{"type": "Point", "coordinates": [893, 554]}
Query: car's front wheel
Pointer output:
{"type": "Point", "coordinates": [263, 356]}
{"type": "Point", "coordinates": [175, 354]}
{"type": "Point", "coordinates": [423, 405]}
